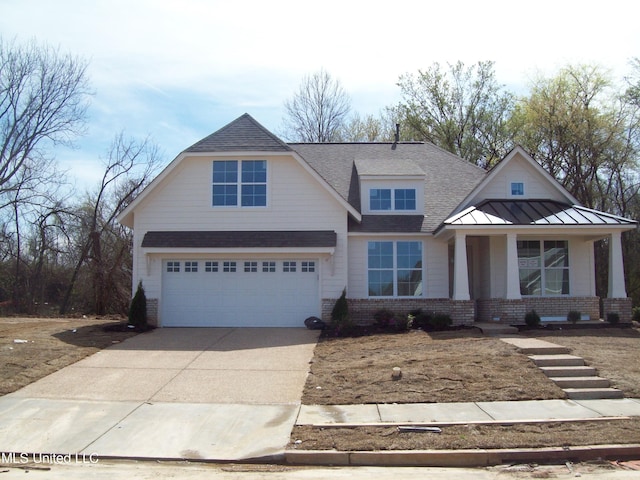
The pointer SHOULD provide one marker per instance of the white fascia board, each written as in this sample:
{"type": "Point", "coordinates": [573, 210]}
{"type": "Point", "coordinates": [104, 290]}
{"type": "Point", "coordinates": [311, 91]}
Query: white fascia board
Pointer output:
{"type": "Point", "coordinates": [238, 251]}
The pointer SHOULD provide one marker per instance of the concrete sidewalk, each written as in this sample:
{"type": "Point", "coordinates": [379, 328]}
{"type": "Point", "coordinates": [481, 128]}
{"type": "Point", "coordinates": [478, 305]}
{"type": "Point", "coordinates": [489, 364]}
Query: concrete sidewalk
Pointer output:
{"type": "Point", "coordinates": [464, 413]}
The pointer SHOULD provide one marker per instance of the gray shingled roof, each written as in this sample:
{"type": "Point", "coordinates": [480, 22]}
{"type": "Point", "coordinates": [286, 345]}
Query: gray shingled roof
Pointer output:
{"type": "Point", "coordinates": [239, 239]}
{"type": "Point", "coordinates": [449, 179]}
{"type": "Point", "coordinates": [243, 134]}
{"type": "Point", "coordinates": [389, 223]}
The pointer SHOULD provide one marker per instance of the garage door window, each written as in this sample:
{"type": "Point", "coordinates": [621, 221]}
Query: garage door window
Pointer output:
{"type": "Point", "coordinates": [308, 266]}
{"type": "Point", "coordinates": [191, 267]}
{"type": "Point", "coordinates": [210, 266]}
{"type": "Point", "coordinates": [173, 267]}
{"type": "Point", "coordinates": [289, 266]}
{"type": "Point", "coordinates": [250, 267]}
{"type": "Point", "coordinates": [229, 267]}
{"type": "Point", "coordinates": [269, 267]}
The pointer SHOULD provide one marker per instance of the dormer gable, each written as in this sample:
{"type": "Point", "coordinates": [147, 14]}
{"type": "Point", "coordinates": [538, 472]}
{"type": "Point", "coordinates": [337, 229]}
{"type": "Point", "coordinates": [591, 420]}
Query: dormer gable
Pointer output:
{"type": "Point", "coordinates": [390, 187]}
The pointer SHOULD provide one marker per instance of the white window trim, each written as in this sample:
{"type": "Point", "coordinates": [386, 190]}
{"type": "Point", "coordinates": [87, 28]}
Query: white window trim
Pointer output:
{"type": "Point", "coordinates": [543, 269]}
{"type": "Point", "coordinates": [510, 189]}
{"type": "Point", "coordinates": [393, 199]}
{"type": "Point", "coordinates": [239, 184]}
{"type": "Point", "coordinates": [395, 269]}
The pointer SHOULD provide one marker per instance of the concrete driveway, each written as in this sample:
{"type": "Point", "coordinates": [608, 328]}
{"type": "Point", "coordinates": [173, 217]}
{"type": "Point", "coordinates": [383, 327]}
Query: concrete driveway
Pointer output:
{"type": "Point", "coordinates": [218, 393]}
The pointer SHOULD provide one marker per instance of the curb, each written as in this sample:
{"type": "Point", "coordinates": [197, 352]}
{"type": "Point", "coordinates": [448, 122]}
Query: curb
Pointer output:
{"type": "Point", "coordinates": [460, 458]}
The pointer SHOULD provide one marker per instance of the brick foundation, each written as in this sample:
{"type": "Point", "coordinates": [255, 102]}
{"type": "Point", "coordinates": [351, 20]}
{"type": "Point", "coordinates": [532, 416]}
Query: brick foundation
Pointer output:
{"type": "Point", "coordinates": [362, 310]}
{"type": "Point", "coordinates": [152, 311]}
{"type": "Point", "coordinates": [621, 306]}
{"type": "Point", "coordinates": [513, 311]}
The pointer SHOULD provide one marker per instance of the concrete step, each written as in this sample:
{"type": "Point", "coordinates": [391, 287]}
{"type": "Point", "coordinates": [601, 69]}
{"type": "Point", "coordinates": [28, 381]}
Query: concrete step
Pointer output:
{"type": "Point", "coordinates": [592, 393]}
{"type": "Point", "coordinates": [569, 371]}
{"type": "Point", "coordinates": [535, 346]}
{"type": "Point", "coordinates": [581, 382]}
{"type": "Point", "coordinates": [562, 360]}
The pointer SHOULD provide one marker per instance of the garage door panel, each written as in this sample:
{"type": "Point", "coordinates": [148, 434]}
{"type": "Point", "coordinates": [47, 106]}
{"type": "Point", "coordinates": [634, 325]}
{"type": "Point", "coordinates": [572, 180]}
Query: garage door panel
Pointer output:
{"type": "Point", "coordinates": [242, 298]}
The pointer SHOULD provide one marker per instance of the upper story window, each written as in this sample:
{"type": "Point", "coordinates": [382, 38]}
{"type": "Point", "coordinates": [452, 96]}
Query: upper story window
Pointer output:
{"type": "Point", "coordinates": [517, 189]}
{"type": "Point", "coordinates": [398, 199]}
{"type": "Point", "coordinates": [242, 183]}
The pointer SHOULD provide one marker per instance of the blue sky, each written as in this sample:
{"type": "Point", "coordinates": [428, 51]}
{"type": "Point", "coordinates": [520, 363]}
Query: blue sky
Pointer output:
{"type": "Point", "coordinates": [179, 70]}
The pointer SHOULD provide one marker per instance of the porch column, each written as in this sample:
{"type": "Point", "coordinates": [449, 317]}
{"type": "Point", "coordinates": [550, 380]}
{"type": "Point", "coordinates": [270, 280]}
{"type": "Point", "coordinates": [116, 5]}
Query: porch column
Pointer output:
{"type": "Point", "coordinates": [616, 268]}
{"type": "Point", "coordinates": [460, 272]}
{"type": "Point", "coordinates": [513, 273]}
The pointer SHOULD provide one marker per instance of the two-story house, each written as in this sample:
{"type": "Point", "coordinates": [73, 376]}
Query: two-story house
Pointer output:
{"type": "Point", "coordinates": [243, 229]}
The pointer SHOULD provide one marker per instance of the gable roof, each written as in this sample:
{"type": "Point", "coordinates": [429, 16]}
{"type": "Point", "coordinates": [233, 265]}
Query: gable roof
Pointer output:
{"type": "Point", "coordinates": [447, 178]}
{"type": "Point", "coordinates": [243, 134]}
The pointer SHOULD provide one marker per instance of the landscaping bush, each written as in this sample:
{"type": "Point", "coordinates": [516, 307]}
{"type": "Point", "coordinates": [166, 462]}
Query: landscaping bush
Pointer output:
{"type": "Point", "coordinates": [138, 309]}
{"type": "Point", "coordinates": [439, 322]}
{"type": "Point", "coordinates": [613, 318]}
{"type": "Point", "coordinates": [384, 318]}
{"type": "Point", "coordinates": [341, 323]}
{"type": "Point", "coordinates": [532, 319]}
{"type": "Point", "coordinates": [420, 319]}
{"type": "Point", "coordinates": [573, 316]}
{"type": "Point", "coordinates": [636, 314]}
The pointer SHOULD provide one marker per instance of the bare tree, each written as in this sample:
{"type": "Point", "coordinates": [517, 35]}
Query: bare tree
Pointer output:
{"type": "Point", "coordinates": [43, 101]}
{"type": "Point", "coordinates": [318, 110]}
{"type": "Point", "coordinates": [101, 243]}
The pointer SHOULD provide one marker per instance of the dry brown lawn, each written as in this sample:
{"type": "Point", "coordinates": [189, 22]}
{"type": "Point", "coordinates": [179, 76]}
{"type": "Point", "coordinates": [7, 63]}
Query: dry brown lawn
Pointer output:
{"type": "Point", "coordinates": [31, 348]}
{"type": "Point", "coordinates": [462, 366]}
{"type": "Point", "coordinates": [455, 366]}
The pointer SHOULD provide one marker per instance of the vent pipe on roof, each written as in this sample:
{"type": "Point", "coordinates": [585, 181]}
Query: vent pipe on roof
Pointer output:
{"type": "Point", "coordinates": [397, 137]}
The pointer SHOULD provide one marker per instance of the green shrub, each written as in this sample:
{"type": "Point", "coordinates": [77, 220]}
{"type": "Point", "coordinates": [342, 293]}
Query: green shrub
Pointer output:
{"type": "Point", "coordinates": [138, 309]}
{"type": "Point", "coordinates": [613, 318]}
{"type": "Point", "coordinates": [420, 319]}
{"type": "Point", "coordinates": [532, 319]}
{"type": "Point", "coordinates": [440, 321]}
{"type": "Point", "coordinates": [636, 314]}
{"type": "Point", "coordinates": [340, 313]}
{"type": "Point", "coordinates": [384, 318]}
{"type": "Point", "coordinates": [573, 316]}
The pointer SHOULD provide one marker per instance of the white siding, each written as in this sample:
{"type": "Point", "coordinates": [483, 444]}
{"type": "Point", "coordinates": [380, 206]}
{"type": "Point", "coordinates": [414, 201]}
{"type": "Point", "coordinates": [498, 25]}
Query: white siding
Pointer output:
{"type": "Point", "coordinates": [435, 270]}
{"type": "Point", "coordinates": [296, 201]}
{"type": "Point", "coordinates": [519, 170]}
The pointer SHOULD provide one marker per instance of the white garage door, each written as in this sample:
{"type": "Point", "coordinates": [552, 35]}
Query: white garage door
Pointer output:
{"type": "Point", "coordinates": [247, 293]}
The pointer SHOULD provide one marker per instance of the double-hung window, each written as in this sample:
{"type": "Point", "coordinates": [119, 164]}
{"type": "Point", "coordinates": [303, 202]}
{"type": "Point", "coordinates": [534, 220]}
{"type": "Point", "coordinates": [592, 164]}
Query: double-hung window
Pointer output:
{"type": "Point", "coordinates": [392, 199]}
{"type": "Point", "coordinates": [395, 269]}
{"type": "Point", "coordinates": [240, 183]}
{"type": "Point", "coordinates": [544, 267]}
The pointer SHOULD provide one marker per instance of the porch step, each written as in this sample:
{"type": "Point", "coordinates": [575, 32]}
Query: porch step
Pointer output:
{"type": "Point", "coordinates": [534, 346]}
{"type": "Point", "coordinates": [581, 382]}
{"type": "Point", "coordinates": [496, 328]}
{"type": "Point", "coordinates": [569, 371]}
{"type": "Point", "coordinates": [592, 393]}
{"type": "Point", "coordinates": [559, 360]}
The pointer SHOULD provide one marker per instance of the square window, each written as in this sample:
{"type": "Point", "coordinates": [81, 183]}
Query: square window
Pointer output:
{"type": "Point", "coordinates": [405, 198]}
{"type": "Point", "coordinates": [289, 266]}
{"type": "Point", "coordinates": [241, 183]}
{"type": "Point", "coordinates": [173, 267]}
{"type": "Point", "coordinates": [254, 171]}
{"type": "Point", "coordinates": [308, 266]}
{"type": "Point", "coordinates": [517, 189]}
{"type": "Point", "coordinates": [229, 267]}
{"type": "Point", "coordinates": [269, 267]}
{"type": "Point", "coordinates": [191, 266]}
{"type": "Point", "coordinates": [254, 195]}
{"type": "Point", "coordinates": [225, 171]}
{"type": "Point", "coordinates": [380, 199]}
{"type": "Point", "coordinates": [250, 267]}
{"type": "Point", "coordinates": [211, 266]}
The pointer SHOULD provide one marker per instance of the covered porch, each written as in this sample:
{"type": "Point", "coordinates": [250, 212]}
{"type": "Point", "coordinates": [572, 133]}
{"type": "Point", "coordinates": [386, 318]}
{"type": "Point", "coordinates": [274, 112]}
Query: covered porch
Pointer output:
{"type": "Point", "coordinates": [510, 257]}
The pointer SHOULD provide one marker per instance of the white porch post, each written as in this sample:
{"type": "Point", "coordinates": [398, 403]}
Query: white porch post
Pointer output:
{"type": "Point", "coordinates": [616, 268]}
{"type": "Point", "coordinates": [513, 274]}
{"type": "Point", "coordinates": [460, 273]}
